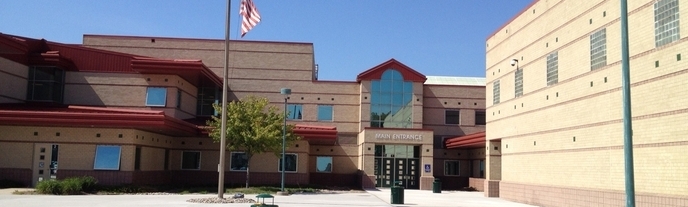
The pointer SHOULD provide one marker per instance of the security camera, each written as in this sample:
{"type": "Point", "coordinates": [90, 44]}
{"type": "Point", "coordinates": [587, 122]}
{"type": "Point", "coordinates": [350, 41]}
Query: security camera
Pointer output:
{"type": "Point", "coordinates": [513, 62]}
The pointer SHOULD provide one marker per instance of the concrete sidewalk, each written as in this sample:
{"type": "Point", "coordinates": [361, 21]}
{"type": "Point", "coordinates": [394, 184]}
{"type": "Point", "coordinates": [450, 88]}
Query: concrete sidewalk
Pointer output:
{"type": "Point", "coordinates": [371, 198]}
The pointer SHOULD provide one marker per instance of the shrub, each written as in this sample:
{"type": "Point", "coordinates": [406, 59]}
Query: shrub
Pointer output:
{"type": "Point", "coordinates": [88, 183]}
{"type": "Point", "coordinates": [71, 186]}
{"type": "Point", "coordinates": [49, 187]}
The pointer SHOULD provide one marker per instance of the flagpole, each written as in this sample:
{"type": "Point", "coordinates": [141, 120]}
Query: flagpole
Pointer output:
{"type": "Point", "coordinates": [223, 126]}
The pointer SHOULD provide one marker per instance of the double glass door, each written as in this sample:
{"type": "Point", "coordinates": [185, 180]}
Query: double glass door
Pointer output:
{"type": "Point", "coordinates": [397, 164]}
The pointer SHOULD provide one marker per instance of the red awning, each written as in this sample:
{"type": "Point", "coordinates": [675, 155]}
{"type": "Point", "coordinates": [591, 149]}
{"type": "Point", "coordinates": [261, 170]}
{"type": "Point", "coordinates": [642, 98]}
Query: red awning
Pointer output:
{"type": "Point", "coordinates": [317, 135]}
{"type": "Point", "coordinates": [83, 116]}
{"type": "Point", "coordinates": [475, 140]}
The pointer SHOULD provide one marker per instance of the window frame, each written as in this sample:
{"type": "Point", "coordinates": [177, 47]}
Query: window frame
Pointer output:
{"type": "Point", "coordinates": [518, 82]}
{"type": "Point", "coordinates": [331, 163]}
{"type": "Point", "coordinates": [553, 68]}
{"type": "Point", "coordinates": [148, 96]}
{"type": "Point", "coordinates": [300, 109]}
{"type": "Point", "coordinates": [446, 117]}
{"type": "Point", "coordinates": [668, 23]}
{"type": "Point", "coordinates": [231, 161]}
{"type": "Point", "coordinates": [484, 117]}
{"type": "Point", "coordinates": [320, 106]}
{"type": "Point", "coordinates": [54, 82]}
{"type": "Point", "coordinates": [296, 166]}
{"type": "Point", "coordinates": [198, 165]}
{"type": "Point", "coordinates": [598, 49]}
{"type": "Point", "coordinates": [458, 167]}
{"type": "Point", "coordinates": [495, 92]}
{"type": "Point", "coordinates": [96, 160]}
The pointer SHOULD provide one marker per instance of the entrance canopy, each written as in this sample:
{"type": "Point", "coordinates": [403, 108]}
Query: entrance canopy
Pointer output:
{"type": "Point", "coordinates": [476, 140]}
{"type": "Point", "coordinates": [317, 135]}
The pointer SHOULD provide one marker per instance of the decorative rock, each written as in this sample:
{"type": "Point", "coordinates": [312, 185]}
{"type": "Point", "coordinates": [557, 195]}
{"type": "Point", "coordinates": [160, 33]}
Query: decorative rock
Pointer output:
{"type": "Point", "coordinates": [221, 200]}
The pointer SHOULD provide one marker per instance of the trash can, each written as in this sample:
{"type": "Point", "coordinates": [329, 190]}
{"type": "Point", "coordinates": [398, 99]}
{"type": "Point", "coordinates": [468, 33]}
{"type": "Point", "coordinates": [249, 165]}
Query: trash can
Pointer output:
{"type": "Point", "coordinates": [437, 186]}
{"type": "Point", "coordinates": [397, 194]}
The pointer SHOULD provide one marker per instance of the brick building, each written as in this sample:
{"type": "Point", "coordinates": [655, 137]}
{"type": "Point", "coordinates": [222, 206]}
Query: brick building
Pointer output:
{"type": "Point", "coordinates": [132, 110]}
{"type": "Point", "coordinates": [554, 104]}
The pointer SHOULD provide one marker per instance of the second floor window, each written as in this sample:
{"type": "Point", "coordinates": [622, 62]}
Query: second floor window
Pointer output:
{"type": "Point", "coordinates": [295, 112]}
{"type": "Point", "coordinates": [156, 96]}
{"type": "Point", "coordinates": [46, 84]}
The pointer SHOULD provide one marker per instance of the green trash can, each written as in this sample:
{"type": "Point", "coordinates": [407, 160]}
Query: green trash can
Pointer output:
{"type": "Point", "coordinates": [437, 186]}
{"type": "Point", "coordinates": [397, 194]}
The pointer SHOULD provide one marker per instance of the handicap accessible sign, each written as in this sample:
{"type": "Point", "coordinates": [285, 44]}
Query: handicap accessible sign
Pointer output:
{"type": "Point", "coordinates": [427, 168]}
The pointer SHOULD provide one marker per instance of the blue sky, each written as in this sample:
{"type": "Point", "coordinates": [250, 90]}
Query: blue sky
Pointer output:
{"type": "Point", "coordinates": [435, 37]}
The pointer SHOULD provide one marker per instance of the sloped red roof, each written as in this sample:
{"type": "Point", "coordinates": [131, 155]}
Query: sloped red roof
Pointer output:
{"type": "Point", "coordinates": [407, 72]}
{"type": "Point", "coordinates": [317, 135]}
{"type": "Point", "coordinates": [84, 116]}
{"type": "Point", "coordinates": [80, 58]}
{"type": "Point", "coordinates": [474, 140]}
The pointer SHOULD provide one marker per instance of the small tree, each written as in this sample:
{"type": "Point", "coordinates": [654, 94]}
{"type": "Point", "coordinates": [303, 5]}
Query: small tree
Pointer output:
{"type": "Point", "coordinates": [253, 126]}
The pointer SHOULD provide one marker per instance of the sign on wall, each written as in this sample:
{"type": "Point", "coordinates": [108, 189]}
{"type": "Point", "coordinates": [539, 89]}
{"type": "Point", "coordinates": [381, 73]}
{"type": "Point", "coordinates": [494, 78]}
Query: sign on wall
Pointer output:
{"type": "Point", "coordinates": [399, 137]}
{"type": "Point", "coordinates": [427, 168]}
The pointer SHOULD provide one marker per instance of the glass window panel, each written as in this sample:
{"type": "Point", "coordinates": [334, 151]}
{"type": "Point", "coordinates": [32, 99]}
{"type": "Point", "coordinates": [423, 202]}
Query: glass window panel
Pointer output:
{"type": "Point", "coordinates": [397, 86]}
{"type": "Point", "coordinates": [408, 87]}
{"type": "Point", "coordinates": [451, 167]}
{"type": "Point", "coordinates": [385, 86]}
{"type": "Point", "coordinates": [191, 160]}
{"type": "Point", "coordinates": [407, 99]}
{"type": "Point", "coordinates": [107, 157]}
{"type": "Point", "coordinates": [323, 164]}
{"type": "Point", "coordinates": [325, 112]}
{"type": "Point", "coordinates": [156, 96]}
{"type": "Point", "coordinates": [375, 86]}
{"type": "Point", "coordinates": [388, 74]}
{"type": "Point", "coordinates": [666, 22]}
{"type": "Point", "coordinates": [295, 111]}
{"type": "Point", "coordinates": [375, 98]}
{"type": "Point", "coordinates": [396, 75]}
{"type": "Point", "coordinates": [479, 117]}
{"type": "Point", "coordinates": [291, 166]}
{"type": "Point", "coordinates": [238, 162]}
{"type": "Point", "coordinates": [452, 116]}
{"type": "Point", "coordinates": [397, 99]}
{"type": "Point", "coordinates": [386, 98]}
{"type": "Point", "coordinates": [495, 92]}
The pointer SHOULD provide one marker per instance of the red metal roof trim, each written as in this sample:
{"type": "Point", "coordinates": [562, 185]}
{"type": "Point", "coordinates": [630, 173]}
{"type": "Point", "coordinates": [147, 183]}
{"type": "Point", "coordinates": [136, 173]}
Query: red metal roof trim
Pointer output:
{"type": "Point", "coordinates": [77, 116]}
{"type": "Point", "coordinates": [317, 135]}
{"type": "Point", "coordinates": [407, 72]}
{"type": "Point", "coordinates": [9, 43]}
{"type": "Point", "coordinates": [193, 71]}
{"type": "Point", "coordinates": [470, 140]}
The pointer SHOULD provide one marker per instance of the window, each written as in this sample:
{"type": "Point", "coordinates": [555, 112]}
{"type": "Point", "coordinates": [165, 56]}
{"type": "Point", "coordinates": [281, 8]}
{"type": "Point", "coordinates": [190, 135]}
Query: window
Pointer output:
{"type": "Point", "coordinates": [107, 157]}
{"type": "Point", "coordinates": [598, 49]}
{"type": "Point", "coordinates": [451, 167]}
{"type": "Point", "coordinates": [480, 118]}
{"type": "Point", "coordinates": [239, 161]}
{"type": "Point", "coordinates": [518, 76]}
{"type": "Point", "coordinates": [391, 103]}
{"type": "Point", "coordinates": [156, 96]}
{"type": "Point", "coordinates": [552, 68]}
{"type": "Point", "coordinates": [137, 159]}
{"type": "Point", "coordinates": [324, 112]}
{"type": "Point", "coordinates": [295, 111]}
{"type": "Point", "coordinates": [323, 164]}
{"type": "Point", "coordinates": [666, 22]}
{"type": "Point", "coordinates": [45, 84]}
{"type": "Point", "coordinates": [452, 116]}
{"type": "Point", "coordinates": [292, 162]}
{"type": "Point", "coordinates": [191, 160]}
{"type": "Point", "coordinates": [206, 97]}
{"type": "Point", "coordinates": [495, 92]}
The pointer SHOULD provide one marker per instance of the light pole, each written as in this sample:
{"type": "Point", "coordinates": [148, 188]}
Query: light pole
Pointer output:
{"type": "Point", "coordinates": [286, 92]}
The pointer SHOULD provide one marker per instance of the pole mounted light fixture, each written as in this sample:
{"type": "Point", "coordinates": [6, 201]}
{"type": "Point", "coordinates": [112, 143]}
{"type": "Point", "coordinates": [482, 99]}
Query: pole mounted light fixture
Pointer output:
{"type": "Point", "coordinates": [514, 62]}
{"type": "Point", "coordinates": [285, 92]}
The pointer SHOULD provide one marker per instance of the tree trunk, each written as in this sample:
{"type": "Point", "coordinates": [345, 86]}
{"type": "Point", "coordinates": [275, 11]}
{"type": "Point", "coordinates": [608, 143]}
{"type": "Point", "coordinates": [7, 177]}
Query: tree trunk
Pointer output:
{"type": "Point", "coordinates": [248, 164]}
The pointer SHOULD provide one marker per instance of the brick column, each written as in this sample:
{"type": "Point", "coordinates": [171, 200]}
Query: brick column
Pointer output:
{"type": "Point", "coordinates": [494, 168]}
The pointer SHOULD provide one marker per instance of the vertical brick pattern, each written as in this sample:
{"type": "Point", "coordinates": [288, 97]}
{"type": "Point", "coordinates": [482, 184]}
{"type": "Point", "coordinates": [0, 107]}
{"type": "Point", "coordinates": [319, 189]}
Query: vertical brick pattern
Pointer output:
{"type": "Point", "coordinates": [557, 196]}
{"type": "Point", "coordinates": [491, 188]}
{"type": "Point", "coordinates": [477, 183]}
{"type": "Point", "coordinates": [14, 174]}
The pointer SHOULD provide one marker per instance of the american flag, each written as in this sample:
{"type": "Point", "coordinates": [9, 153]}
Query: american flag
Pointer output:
{"type": "Point", "coordinates": [250, 16]}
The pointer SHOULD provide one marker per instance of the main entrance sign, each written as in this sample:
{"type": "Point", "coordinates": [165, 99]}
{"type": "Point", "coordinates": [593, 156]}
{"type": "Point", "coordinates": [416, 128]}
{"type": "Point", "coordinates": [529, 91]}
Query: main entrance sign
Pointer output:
{"type": "Point", "coordinates": [400, 137]}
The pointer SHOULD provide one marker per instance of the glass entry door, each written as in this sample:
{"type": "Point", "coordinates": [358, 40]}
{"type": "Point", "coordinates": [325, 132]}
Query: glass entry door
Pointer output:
{"type": "Point", "coordinates": [397, 163]}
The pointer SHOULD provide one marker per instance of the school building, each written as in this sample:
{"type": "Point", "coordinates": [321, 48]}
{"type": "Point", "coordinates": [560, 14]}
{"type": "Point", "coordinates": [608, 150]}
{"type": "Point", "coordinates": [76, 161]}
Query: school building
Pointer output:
{"type": "Point", "coordinates": [554, 104]}
{"type": "Point", "coordinates": [133, 110]}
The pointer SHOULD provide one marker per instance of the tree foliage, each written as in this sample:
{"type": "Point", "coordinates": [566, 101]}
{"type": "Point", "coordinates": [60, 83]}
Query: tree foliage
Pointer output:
{"type": "Point", "coordinates": [253, 126]}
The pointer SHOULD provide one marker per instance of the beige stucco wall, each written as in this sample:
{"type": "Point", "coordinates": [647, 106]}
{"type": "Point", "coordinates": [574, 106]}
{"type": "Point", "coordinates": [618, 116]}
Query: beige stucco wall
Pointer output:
{"type": "Point", "coordinates": [573, 129]}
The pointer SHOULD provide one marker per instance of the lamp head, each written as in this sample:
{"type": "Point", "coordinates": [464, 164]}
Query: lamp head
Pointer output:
{"type": "Point", "coordinates": [514, 62]}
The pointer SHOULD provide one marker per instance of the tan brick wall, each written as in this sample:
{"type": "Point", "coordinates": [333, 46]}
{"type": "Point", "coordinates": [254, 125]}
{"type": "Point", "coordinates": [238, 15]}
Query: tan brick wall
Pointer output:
{"type": "Point", "coordinates": [16, 155]}
{"type": "Point", "coordinates": [573, 128]}
{"type": "Point", "coordinates": [13, 81]}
